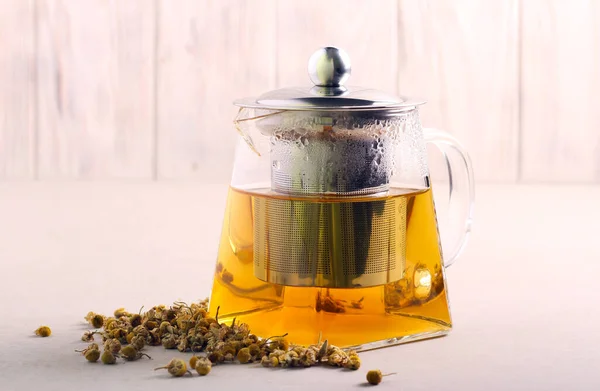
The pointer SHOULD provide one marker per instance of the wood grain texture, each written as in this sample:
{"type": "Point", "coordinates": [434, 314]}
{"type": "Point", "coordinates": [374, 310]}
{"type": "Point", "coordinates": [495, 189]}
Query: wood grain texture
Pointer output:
{"type": "Point", "coordinates": [17, 89]}
{"type": "Point", "coordinates": [210, 53]}
{"type": "Point", "coordinates": [96, 85]}
{"type": "Point", "coordinates": [462, 57]}
{"type": "Point", "coordinates": [561, 80]}
{"type": "Point", "coordinates": [365, 30]}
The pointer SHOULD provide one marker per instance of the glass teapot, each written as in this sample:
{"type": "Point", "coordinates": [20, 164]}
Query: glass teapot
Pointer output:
{"type": "Point", "coordinates": [330, 229]}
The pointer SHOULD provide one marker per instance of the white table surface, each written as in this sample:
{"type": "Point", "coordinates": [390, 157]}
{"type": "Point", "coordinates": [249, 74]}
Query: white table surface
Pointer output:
{"type": "Point", "coordinates": [525, 295]}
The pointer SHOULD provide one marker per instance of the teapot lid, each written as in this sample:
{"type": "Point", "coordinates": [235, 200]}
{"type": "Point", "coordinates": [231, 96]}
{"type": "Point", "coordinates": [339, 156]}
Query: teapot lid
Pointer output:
{"type": "Point", "coordinates": [329, 68]}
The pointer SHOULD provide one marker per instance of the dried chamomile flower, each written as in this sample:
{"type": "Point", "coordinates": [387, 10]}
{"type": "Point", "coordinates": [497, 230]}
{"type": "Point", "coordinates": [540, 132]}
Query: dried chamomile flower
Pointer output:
{"type": "Point", "coordinates": [130, 353]}
{"type": "Point", "coordinates": [358, 304]}
{"type": "Point", "coordinates": [120, 312]}
{"type": "Point", "coordinates": [165, 327]}
{"type": "Point", "coordinates": [97, 321]}
{"type": "Point", "coordinates": [216, 357]}
{"type": "Point", "coordinates": [353, 361]}
{"type": "Point", "coordinates": [265, 361]}
{"type": "Point", "coordinates": [138, 342]}
{"type": "Point", "coordinates": [110, 324]}
{"type": "Point", "coordinates": [176, 367]}
{"type": "Point", "coordinates": [169, 315]}
{"type": "Point", "coordinates": [254, 350]}
{"type": "Point", "coordinates": [193, 361]}
{"type": "Point", "coordinates": [228, 348]}
{"type": "Point", "coordinates": [120, 334]}
{"type": "Point", "coordinates": [280, 343]}
{"type": "Point", "coordinates": [203, 366]}
{"type": "Point", "coordinates": [92, 355]}
{"type": "Point", "coordinates": [135, 320]}
{"type": "Point", "coordinates": [374, 377]}
{"type": "Point", "coordinates": [43, 331]}
{"type": "Point", "coordinates": [182, 346]}
{"type": "Point", "coordinates": [353, 364]}
{"type": "Point", "coordinates": [227, 276]}
{"type": "Point", "coordinates": [89, 316]}
{"type": "Point", "coordinates": [108, 357]}
{"type": "Point", "coordinates": [335, 359]}
{"type": "Point", "coordinates": [244, 356]}
{"type": "Point", "coordinates": [269, 361]}
{"type": "Point", "coordinates": [88, 336]}
{"type": "Point", "coordinates": [141, 330]}
{"type": "Point", "coordinates": [169, 341]}
{"type": "Point", "coordinates": [112, 345]}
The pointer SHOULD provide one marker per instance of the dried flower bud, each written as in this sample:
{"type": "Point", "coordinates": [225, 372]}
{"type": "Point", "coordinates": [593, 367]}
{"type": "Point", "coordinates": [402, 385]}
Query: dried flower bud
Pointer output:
{"type": "Point", "coordinates": [92, 355]}
{"type": "Point", "coordinates": [89, 316]}
{"type": "Point", "coordinates": [193, 361]}
{"type": "Point", "coordinates": [353, 364]}
{"type": "Point", "coordinates": [120, 312]}
{"type": "Point", "coordinates": [130, 353]}
{"type": "Point", "coordinates": [334, 359]}
{"type": "Point", "coordinates": [88, 336]}
{"type": "Point", "coordinates": [176, 367]}
{"type": "Point", "coordinates": [216, 357]}
{"type": "Point", "coordinates": [97, 321]}
{"type": "Point", "coordinates": [280, 343]}
{"type": "Point", "coordinates": [374, 377]}
{"type": "Point", "coordinates": [182, 346]}
{"type": "Point", "coordinates": [265, 361]}
{"type": "Point", "coordinates": [244, 355]}
{"type": "Point", "coordinates": [108, 357]}
{"type": "Point", "coordinates": [135, 320]}
{"type": "Point", "coordinates": [119, 333]}
{"type": "Point", "coordinates": [112, 345]}
{"type": "Point", "coordinates": [203, 366]}
{"type": "Point", "coordinates": [43, 331]}
{"type": "Point", "coordinates": [169, 315]}
{"type": "Point", "coordinates": [165, 327]}
{"type": "Point", "coordinates": [254, 350]}
{"type": "Point", "coordinates": [228, 348]}
{"type": "Point", "coordinates": [227, 276]}
{"type": "Point", "coordinates": [141, 330]}
{"type": "Point", "coordinates": [169, 341]}
{"type": "Point", "coordinates": [138, 342]}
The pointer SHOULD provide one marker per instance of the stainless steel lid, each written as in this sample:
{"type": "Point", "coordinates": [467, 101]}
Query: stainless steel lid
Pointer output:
{"type": "Point", "coordinates": [329, 68]}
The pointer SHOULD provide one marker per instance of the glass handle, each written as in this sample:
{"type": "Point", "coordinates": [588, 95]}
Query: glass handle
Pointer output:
{"type": "Point", "coordinates": [461, 190]}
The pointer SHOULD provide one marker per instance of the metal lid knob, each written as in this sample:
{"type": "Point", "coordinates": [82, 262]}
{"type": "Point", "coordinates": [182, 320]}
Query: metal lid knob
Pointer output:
{"type": "Point", "coordinates": [329, 67]}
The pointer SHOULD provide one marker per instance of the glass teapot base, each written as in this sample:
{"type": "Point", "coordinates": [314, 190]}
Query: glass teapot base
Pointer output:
{"type": "Point", "coordinates": [358, 332]}
{"type": "Point", "coordinates": [400, 340]}
{"type": "Point", "coordinates": [414, 307]}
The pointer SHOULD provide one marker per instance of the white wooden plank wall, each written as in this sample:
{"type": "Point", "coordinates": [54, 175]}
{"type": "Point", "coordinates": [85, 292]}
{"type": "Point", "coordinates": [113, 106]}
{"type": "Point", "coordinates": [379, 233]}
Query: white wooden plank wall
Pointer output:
{"type": "Point", "coordinates": [209, 53]}
{"type": "Point", "coordinates": [561, 82]}
{"type": "Point", "coordinates": [141, 89]}
{"type": "Point", "coordinates": [462, 56]}
{"type": "Point", "coordinates": [17, 89]}
{"type": "Point", "coordinates": [95, 63]}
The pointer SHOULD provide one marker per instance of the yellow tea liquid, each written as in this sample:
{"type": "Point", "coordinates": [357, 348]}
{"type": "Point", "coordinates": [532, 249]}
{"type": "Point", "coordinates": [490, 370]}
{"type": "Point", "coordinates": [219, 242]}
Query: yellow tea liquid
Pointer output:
{"type": "Point", "coordinates": [412, 307]}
